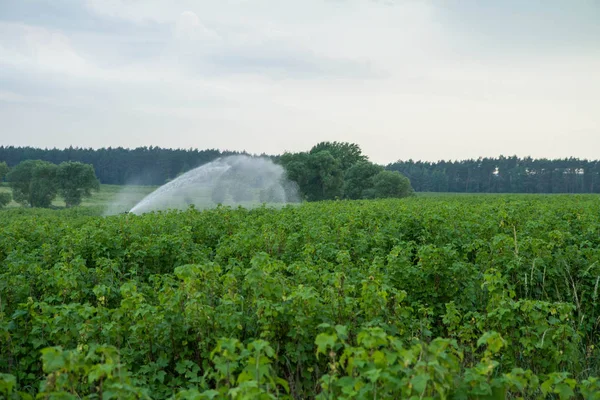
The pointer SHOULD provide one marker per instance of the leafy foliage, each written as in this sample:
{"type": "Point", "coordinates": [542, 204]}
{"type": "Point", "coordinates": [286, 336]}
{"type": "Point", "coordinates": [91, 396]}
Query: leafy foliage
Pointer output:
{"type": "Point", "coordinates": [156, 166]}
{"type": "Point", "coordinates": [347, 154]}
{"type": "Point", "coordinates": [119, 166]}
{"type": "Point", "coordinates": [5, 198]}
{"type": "Point", "coordinates": [358, 180]}
{"type": "Point", "coordinates": [33, 183]}
{"type": "Point", "coordinates": [3, 170]}
{"type": "Point", "coordinates": [36, 183]}
{"type": "Point", "coordinates": [334, 170]}
{"type": "Point", "coordinates": [466, 297]}
{"type": "Point", "coordinates": [503, 175]}
{"type": "Point", "coordinates": [387, 184]}
{"type": "Point", "coordinates": [76, 180]}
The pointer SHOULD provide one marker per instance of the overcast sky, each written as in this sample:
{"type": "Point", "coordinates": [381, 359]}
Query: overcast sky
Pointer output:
{"type": "Point", "coordinates": [404, 79]}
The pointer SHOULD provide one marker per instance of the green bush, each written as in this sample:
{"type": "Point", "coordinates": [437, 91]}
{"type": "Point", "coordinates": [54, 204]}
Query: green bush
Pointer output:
{"type": "Point", "coordinates": [457, 297]}
{"type": "Point", "coordinates": [5, 198]}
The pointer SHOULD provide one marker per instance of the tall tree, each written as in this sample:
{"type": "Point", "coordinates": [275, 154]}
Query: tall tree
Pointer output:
{"type": "Point", "coordinates": [297, 170]}
{"type": "Point", "coordinates": [33, 183]}
{"type": "Point", "coordinates": [390, 184]}
{"type": "Point", "coordinates": [333, 170]}
{"type": "Point", "coordinates": [143, 165]}
{"type": "Point", "coordinates": [358, 179]}
{"type": "Point", "coordinates": [346, 153]}
{"type": "Point", "coordinates": [319, 173]}
{"type": "Point", "coordinates": [325, 176]}
{"type": "Point", "coordinates": [5, 198]}
{"type": "Point", "coordinates": [3, 170]}
{"type": "Point", "coordinates": [76, 180]}
{"type": "Point", "coordinates": [503, 175]}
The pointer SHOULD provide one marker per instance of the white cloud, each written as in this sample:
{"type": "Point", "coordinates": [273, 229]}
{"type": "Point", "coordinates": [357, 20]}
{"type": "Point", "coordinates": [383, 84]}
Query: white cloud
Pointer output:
{"type": "Point", "coordinates": [138, 11]}
{"type": "Point", "coordinates": [12, 97]}
{"type": "Point", "coordinates": [271, 76]}
{"type": "Point", "coordinates": [189, 27]}
{"type": "Point", "coordinates": [29, 47]}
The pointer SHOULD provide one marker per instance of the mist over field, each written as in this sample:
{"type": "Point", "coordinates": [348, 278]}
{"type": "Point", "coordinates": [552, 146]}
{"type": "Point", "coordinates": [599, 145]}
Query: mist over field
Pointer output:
{"type": "Point", "coordinates": [233, 180]}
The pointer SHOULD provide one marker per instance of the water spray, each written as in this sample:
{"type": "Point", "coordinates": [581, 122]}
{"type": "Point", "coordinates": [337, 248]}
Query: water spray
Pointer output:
{"type": "Point", "coordinates": [235, 181]}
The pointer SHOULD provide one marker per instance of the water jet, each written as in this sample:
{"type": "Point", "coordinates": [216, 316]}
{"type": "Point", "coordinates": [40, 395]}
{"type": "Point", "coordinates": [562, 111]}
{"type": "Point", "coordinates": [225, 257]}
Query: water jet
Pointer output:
{"type": "Point", "coordinates": [234, 181]}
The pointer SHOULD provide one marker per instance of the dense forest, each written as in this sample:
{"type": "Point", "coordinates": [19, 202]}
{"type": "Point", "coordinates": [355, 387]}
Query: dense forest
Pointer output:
{"type": "Point", "coordinates": [328, 171]}
{"type": "Point", "coordinates": [119, 166]}
{"type": "Point", "coordinates": [503, 175]}
{"type": "Point", "coordinates": [155, 166]}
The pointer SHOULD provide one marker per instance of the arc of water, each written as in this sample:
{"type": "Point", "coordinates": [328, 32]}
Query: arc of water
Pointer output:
{"type": "Point", "coordinates": [239, 175]}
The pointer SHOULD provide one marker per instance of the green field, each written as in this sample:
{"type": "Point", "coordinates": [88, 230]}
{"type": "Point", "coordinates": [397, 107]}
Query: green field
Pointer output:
{"type": "Point", "coordinates": [121, 198]}
{"type": "Point", "coordinates": [115, 199]}
{"type": "Point", "coordinates": [430, 297]}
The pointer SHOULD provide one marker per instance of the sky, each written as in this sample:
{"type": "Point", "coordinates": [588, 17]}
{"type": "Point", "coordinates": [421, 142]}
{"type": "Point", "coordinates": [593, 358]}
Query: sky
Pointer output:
{"type": "Point", "coordinates": [404, 79]}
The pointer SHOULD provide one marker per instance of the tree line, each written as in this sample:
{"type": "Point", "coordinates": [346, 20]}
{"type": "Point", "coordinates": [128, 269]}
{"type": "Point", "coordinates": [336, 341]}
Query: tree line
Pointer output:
{"type": "Point", "coordinates": [329, 170]}
{"type": "Point", "coordinates": [120, 166]}
{"type": "Point", "coordinates": [36, 183]}
{"type": "Point", "coordinates": [155, 166]}
{"type": "Point", "coordinates": [5, 198]}
{"type": "Point", "coordinates": [503, 175]}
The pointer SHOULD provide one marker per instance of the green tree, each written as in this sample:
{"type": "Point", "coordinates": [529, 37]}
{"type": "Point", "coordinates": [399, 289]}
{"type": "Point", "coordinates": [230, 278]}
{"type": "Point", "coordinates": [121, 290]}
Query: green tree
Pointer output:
{"type": "Point", "coordinates": [3, 170]}
{"type": "Point", "coordinates": [320, 173]}
{"type": "Point", "coordinates": [33, 183]}
{"type": "Point", "coordinates": [76, 180]}
{"type": "Point", "coordinates": [296, 168]}
{"type": "Point", "coordinates": [5, 198]}
{"type": "Point", "coordinates": [390, 184]}
{"type": "Point", "coordinates": [358, 179]}
{"type": "Point", "coordinates": [346, 153]}
{"type": "Point", "coordinates": [325, 177]}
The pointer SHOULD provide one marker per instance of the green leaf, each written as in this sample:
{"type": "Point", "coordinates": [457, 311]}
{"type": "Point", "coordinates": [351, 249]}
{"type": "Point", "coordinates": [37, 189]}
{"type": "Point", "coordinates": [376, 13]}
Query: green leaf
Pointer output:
{"type": "Point", "coordinates": [373, 374]}
{"type": "Point", "coordinates": [99, 371]}
{"type": "Point", "coordinates": [325, 341]}
{"type": "Point", "coordinates": [7, 383]}
{"type": "Point", "coordinates": [492, 340]}
{"type": "Point", "coordinates": [210, 394]}
{"type": "Point", "coordinates": [160, 376]}
{"type": "Point", "coordinates": [342, 331]}
{"type": "Point", "coordinates": [419, 382]}
{"type": "Point", "coordinates": [564, 391]}
{"type": "Point", "coordinates": [52, 359]}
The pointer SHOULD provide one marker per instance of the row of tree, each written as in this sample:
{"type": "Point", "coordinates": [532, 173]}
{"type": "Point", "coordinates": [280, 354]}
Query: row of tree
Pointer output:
{"type": "Point", "coordinates": [336, 170]}
{"type": "Point", "coordinates": [328, 175]}
{"type": "Point", "coordinates": [120, 166]}
{"type": "Point", "coordinates": [330, 170]}
{"type": "Point", "coordinates": [36, 183]}
{"type": "Point", "coordinates": [5, 198]}
{"type": "Point", "coordinates": [503, 175]}
{"type": "Point", "coordinates": [155, 166]}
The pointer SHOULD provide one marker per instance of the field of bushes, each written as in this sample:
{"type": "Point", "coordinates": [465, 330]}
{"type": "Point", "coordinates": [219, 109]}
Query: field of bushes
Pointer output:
{"type": "Point", "coordinates": [466, 297]}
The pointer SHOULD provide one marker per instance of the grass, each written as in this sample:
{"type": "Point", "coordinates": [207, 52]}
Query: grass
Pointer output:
{"type": "Point", "coordinates": [114, 199]}
{"type": "Point", "coordinates": [125, 194]}
{"type": "Point", "coordinates": [111, 198]}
